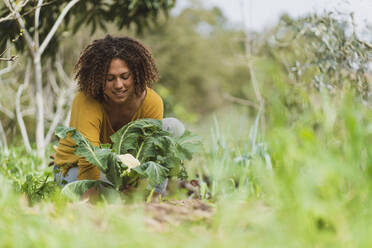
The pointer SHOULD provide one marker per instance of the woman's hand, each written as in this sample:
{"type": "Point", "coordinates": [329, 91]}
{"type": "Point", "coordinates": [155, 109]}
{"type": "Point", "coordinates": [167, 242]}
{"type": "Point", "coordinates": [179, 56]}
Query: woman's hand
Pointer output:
{"type": "Point", "coordinates": [91, 194]}
{"type": "Point", "coordinates": [53, 156]}
{"type": "Point", "coordinates": [128, 189]}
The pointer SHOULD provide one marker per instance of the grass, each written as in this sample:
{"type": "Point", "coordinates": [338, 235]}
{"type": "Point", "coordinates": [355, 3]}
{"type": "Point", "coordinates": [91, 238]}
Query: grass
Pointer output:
{"type": "Point", "coordinates": [306, 182]}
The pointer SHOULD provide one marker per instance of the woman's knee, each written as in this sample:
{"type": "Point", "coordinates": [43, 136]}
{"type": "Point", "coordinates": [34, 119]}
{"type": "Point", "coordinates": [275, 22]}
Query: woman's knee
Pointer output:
{"type": "Point", "coordinates": [62, 180]}
{"type": "Point", "coordinates": [173, 126]}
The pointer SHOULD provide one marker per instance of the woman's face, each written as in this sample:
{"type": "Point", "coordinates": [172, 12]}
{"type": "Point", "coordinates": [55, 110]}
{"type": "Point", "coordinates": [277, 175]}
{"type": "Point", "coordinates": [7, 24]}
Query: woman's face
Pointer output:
{"type": "Point", "coordinates": [119, 86]}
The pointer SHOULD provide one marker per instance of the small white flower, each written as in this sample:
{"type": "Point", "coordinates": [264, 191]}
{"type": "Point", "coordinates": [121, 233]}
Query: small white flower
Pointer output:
{"type": "Point", "coordinates": [129, 161]}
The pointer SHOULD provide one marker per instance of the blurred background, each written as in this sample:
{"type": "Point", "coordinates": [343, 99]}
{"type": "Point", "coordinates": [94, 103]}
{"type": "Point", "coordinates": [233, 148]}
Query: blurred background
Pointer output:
{"type": "Point", "coordinates": [213, 56]}
{"type": "Point", "coordinates": [280, 91]}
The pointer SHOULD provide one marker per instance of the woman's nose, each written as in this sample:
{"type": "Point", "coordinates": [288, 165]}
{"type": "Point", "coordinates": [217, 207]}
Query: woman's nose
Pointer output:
{"type": "Point", "coordinates": [118, 84]}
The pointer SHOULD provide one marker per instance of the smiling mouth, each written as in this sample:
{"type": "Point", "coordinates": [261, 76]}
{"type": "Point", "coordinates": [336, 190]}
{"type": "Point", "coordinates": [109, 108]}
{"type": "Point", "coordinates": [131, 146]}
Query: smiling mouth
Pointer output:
{"type": "Point", "coordinates": [120, 93]}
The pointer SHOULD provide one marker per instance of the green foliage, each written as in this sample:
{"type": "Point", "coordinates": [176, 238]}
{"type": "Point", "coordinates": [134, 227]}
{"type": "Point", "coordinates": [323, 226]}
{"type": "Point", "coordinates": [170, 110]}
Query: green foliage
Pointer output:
{"type": "Point", "coordinates": [155, 172]}
{"type": "Point", "coordinates": [132, 136]}
{"type": "Point", "coordinates": [315, 137]}
{"type": "Point", "coordinates": [324, 51]}
{"type": "Point", "coordinates": [316, 195]}
{"type": "Point", "coordinates": [26, 178]}
{"type": "Point", "coordinates": [92, 14]}
{"type": "Point", "coordinates": [95, 155]}
{"type": "Point", "coordinates": [75, 189]}
{"type": "Point", "coordinates": [36, 187]}
{"type": "Point", "coordinates": [196, 53]}
{"type": "Point", "coordinates": [161, 156]}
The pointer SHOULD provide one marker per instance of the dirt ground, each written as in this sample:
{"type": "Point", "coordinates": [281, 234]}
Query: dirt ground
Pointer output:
{"type": "Point", "coordinates": [161, 215]}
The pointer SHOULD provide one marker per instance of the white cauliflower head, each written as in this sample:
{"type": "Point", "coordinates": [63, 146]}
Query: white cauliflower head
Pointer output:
{"type": "Point", "coordinates": [129, 160]}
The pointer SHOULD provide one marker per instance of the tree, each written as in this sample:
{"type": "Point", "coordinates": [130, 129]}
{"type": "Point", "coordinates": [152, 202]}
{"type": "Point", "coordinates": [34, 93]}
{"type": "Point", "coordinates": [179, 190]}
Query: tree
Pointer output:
{"type": "Point", "coordinates": [324, 51]}
{"type": "Point", "coordinates": [196, 55]}
{"type": "Point", "coordinates": [42, 24]}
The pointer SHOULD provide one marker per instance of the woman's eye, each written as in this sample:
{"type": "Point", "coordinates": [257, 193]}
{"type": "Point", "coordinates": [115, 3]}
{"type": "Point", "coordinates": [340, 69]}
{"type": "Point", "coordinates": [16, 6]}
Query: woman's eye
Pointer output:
{"type": "Point", "coordinates": [109, 79]}
{"type": "Point", "coordinates": [125, 76]}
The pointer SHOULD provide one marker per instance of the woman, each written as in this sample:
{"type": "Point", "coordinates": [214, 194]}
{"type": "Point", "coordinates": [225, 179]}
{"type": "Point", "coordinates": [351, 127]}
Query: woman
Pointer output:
{"type": "Point", "coordinates": [115, 76]}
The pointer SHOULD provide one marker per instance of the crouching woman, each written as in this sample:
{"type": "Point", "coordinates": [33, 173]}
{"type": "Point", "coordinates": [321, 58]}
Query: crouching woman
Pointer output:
{"type": "Point", "coordinates": [115, 76]}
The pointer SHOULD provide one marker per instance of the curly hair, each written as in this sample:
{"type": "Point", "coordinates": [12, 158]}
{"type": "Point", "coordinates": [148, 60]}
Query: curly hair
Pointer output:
{"type": "Point", "coordinates": [94, 61]}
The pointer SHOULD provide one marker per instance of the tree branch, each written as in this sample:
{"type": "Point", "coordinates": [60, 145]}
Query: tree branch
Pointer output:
{"type": "Point", "coordinates": [61, 72]}
{"type": "Point", "coordinates": [37, 17]}
{"type": "Point", "coordinates": [366, 44]}
{"type": "Point", "coordinates": [7, 112]}
{"type": "Point", "coordinates": [19, 115]}
{"type": "Point", "coordinates": [57, 117]}
{"type": "Point", "coordinates": [12, 16]}
{"type": "Point", "coordinates": [15, 11]}
{"type": "Point", "coordinates": [241, 101]}
{"type": "Point", "coordinates": [4, 51]}
{"type": "Point", "coordinates": [254, 80]}
{"type": "Point", "coordinates": [42, 5]}
{"type": "Point", "coordinates": [68, 117]}
{"type": "Point", "coordinates": [9, 17]}
{"type": "Point", "coordinates": [11, 59]}
{"type": "Point", "coordinates": [250, 59]}
{"type": "Point", "coordinates": [29, 111]}
{"type": "Point", "coordinates": [69, 82]}
{"type": "Point", "coordinates": [53, 82]}
{"type": "Point", "coordinates": [3, 141]}
{"type": "Point", "coordinates": [56, 25]}
{"type": "Point", "coordinates": [63, 94]}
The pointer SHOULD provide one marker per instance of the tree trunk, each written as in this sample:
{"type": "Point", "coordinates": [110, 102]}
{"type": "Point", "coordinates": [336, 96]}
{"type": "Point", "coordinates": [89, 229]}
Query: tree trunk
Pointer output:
{"type": "Point", "coordinates": [3, 141]}
{"type": "Point", "coordinates": [39, 107]}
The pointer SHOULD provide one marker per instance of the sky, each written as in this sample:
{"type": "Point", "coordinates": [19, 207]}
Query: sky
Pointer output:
{"type": "Point", "coordinates": [262, 13]}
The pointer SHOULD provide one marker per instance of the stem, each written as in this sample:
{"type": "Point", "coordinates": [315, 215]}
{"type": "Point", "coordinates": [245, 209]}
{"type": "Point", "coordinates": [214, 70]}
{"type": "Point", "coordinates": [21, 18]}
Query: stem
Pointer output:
{"type": "Point", "coordinates": [122, 138]}
{"type": "Point", "coordinates": [140, 149]}
{"type": "Point", "coordinates": [150, 196]}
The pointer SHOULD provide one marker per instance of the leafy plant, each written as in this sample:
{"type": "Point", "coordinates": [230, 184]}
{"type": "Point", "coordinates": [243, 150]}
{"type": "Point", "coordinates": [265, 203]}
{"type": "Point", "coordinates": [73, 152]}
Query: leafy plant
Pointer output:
{"type": "Point", "coordinates": [35, 187]}
{"type": "Point", "coordinates": [325, 49]}
{"type": "Point", "coordinates": [160, 155]}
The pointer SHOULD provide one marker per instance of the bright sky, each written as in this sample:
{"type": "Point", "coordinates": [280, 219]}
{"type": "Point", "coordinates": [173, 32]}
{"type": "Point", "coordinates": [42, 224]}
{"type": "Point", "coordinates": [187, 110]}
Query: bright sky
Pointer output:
{"type": "Point", "coordinates": [261, 13]}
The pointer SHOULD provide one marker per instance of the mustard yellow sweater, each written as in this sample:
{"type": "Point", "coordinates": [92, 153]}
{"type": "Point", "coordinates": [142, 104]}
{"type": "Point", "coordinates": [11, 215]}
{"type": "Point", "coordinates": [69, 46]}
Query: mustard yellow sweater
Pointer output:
{"type": "Point", "coordinates": [90, 119]}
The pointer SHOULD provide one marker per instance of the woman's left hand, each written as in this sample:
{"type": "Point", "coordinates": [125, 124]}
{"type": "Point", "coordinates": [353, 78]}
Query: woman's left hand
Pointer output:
{"type": "Point", "coordinates": [52, 156]}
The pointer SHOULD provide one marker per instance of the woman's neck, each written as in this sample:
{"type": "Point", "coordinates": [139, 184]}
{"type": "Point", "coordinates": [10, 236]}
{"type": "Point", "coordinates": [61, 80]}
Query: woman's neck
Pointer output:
{"type": "Point", "coordinates": [131, 105]}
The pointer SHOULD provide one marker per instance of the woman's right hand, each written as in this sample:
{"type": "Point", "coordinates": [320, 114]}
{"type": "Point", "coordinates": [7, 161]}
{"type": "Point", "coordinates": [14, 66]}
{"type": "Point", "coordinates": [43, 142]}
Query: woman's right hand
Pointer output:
{"type": "Point", "coordinates": [127, 189]}
{"type": "Point", "coordinates": [91, 194]}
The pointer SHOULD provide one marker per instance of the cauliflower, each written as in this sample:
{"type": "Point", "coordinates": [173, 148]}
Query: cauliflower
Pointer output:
{"type": "Point", "coordinates": [129, 161]}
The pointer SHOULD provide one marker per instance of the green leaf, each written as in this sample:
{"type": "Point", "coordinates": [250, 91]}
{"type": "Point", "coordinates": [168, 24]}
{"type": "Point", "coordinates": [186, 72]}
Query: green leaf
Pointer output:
{"type": "Point", "coordinates": [126, 138]}
{"type": "Point", "coordinates": [62, 131]}
{"type": "Point", "coordinates": [148, 150]}
{"type": "Point", "coordinates": [94, 155]}
{"type": "Point", "coordinates": [114, 170]}
{"type": "Point", "coordinates": [106, 146]}
{"type": "Point", "coordinates": [155, 173]}
{"type": "Point", "coordinates": [188, 144]}
{"type": "Point", "coordinates": [161, 155]}
{"type": "Point", "coordinates": [76, 189]}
